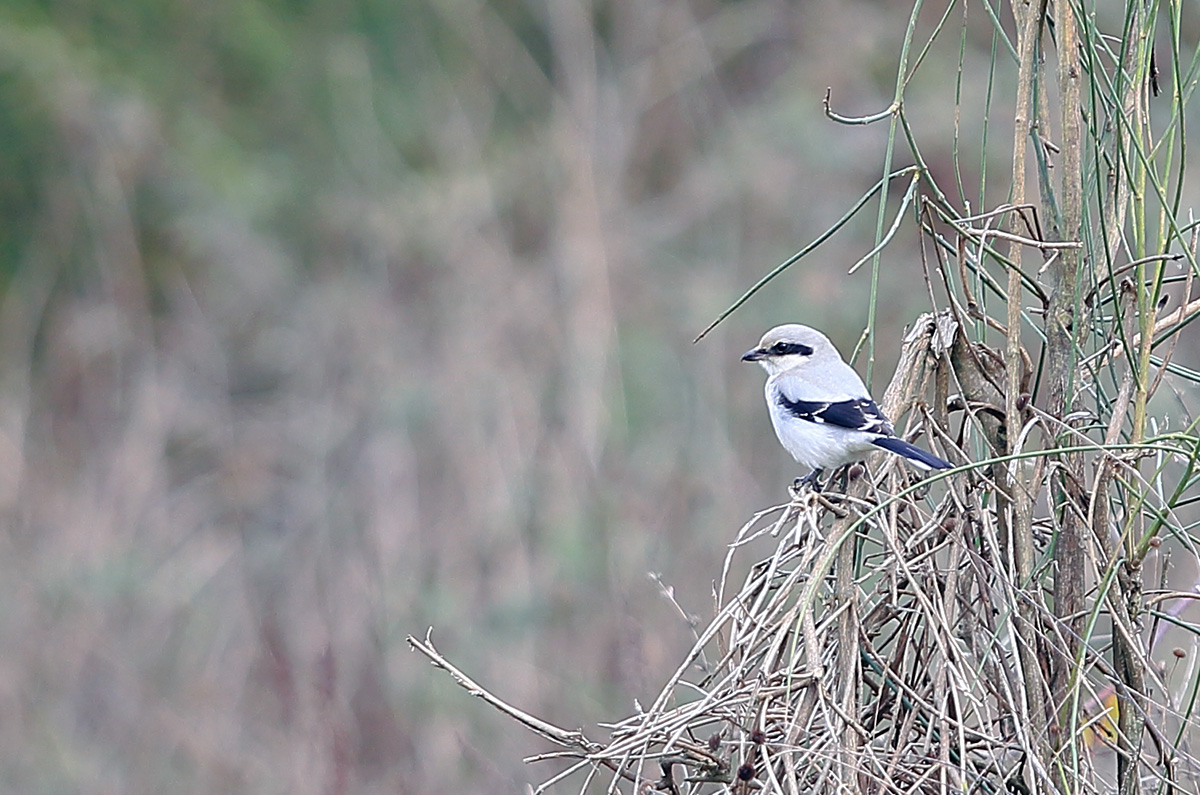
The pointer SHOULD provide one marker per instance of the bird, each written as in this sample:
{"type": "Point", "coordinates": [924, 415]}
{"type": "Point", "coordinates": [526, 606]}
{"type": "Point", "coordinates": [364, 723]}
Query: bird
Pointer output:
{"type": "Point", "coordinates": [820, 408]}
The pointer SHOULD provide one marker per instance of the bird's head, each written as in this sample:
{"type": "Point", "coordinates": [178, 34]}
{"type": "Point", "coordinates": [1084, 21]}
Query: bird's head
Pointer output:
{"type": "Point", "coordinates": [785, 347]}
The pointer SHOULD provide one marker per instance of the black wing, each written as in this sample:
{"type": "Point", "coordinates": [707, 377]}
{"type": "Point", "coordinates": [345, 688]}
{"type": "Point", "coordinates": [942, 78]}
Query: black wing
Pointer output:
{"type": "Point", "coordinates": [855, 415]}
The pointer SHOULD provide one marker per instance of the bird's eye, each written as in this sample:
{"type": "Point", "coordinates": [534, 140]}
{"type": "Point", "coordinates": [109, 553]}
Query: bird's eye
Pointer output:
{"type": "Point", "coordinates": [789, 348]}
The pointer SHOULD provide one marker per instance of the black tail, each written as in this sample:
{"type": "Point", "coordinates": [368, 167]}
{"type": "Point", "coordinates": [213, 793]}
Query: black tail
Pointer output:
{"type": "Point", "coordinates": [913, 453]}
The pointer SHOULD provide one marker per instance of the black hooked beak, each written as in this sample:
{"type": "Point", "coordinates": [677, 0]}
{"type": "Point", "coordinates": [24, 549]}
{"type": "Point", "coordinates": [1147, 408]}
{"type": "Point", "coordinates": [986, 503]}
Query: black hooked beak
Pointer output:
{"type": "Point", "coordinates": [754, 355]}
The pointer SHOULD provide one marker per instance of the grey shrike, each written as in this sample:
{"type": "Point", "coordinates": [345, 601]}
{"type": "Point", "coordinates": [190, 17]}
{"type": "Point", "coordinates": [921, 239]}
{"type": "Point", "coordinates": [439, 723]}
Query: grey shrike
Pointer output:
{"type": "Point", "coordinates": [819, 406]}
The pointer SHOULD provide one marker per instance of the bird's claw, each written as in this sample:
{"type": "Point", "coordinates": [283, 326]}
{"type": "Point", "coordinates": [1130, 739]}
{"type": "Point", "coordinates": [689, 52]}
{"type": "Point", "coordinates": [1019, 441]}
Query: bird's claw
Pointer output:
{"type": "Point", "coordinates": [811, 481]}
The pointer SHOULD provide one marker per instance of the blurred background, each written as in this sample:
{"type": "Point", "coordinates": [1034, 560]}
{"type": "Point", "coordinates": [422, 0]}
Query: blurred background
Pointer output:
{"type": "Point", "coordinates": [323, 322]}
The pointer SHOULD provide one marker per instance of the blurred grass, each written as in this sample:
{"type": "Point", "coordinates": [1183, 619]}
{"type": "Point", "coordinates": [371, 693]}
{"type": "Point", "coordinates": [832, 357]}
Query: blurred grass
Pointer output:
{"type": "Point", "coordinates": [326, 321]}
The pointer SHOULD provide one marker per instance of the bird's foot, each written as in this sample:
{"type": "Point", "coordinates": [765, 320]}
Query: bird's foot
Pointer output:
{"type": "Point", "coordinates": [811, 481]}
